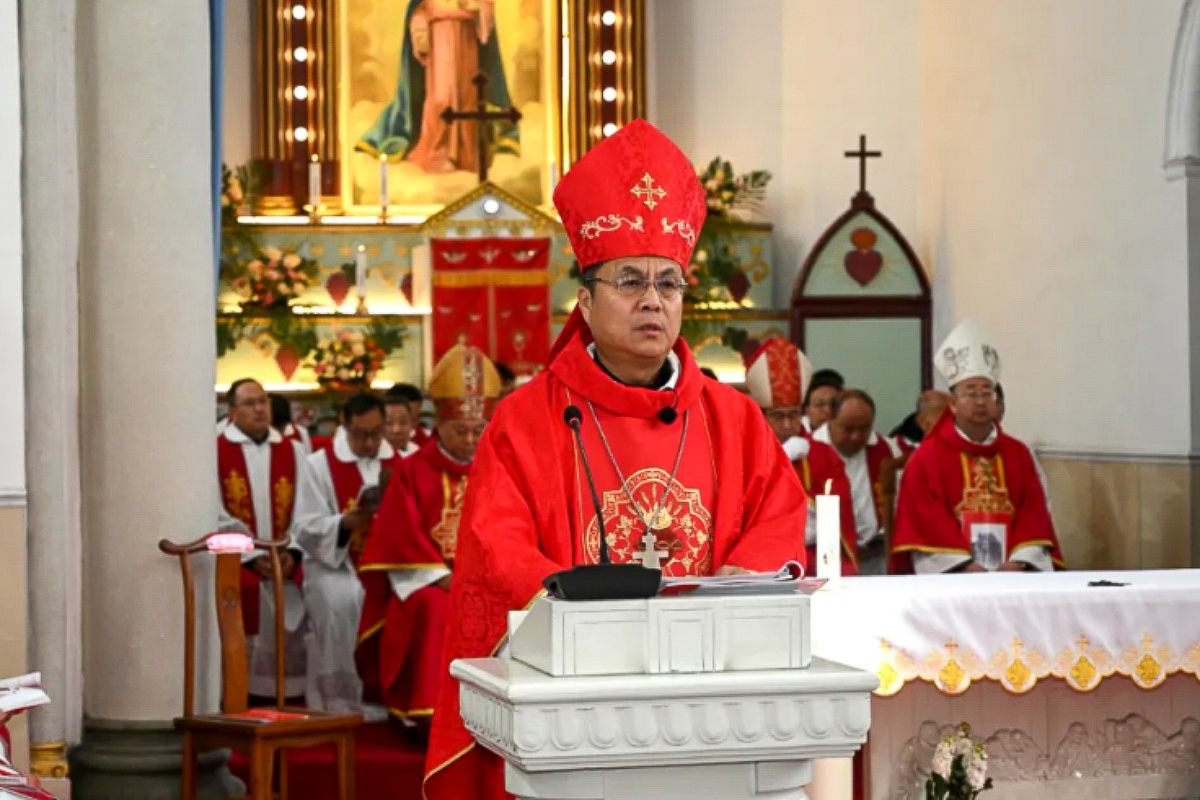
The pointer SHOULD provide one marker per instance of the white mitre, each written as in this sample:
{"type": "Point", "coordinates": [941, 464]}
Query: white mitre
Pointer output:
{"type": "Point", "coordinates": [968, 352]}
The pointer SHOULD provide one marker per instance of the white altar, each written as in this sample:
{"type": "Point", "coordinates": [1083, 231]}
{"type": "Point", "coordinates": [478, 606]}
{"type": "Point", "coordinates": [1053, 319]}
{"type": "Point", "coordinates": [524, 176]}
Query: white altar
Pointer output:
{"type": "Point", "coordinates": [653, 700]}
{"type": "Point", "coordinates": [1078, 690]}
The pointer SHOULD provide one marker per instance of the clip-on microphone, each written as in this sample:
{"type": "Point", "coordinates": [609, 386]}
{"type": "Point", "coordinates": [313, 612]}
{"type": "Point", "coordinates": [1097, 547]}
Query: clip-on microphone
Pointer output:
{"type": "Point", "coordinates": [603, 581]}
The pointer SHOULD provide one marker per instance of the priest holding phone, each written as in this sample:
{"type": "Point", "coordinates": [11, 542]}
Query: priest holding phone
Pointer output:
{"type": "Point", "coordinates": [620, 450]}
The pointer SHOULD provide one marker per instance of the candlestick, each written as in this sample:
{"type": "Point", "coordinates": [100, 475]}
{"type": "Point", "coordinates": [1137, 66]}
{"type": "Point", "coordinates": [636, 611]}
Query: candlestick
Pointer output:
{"type": "Point", "coordinates": [829, 535]}
{"type": "Point", "coordinates": [360, 277]}
{"type": "Point", "coordinates": [383, 187]}
{"type": "Point", "coordinates": [314, 185]}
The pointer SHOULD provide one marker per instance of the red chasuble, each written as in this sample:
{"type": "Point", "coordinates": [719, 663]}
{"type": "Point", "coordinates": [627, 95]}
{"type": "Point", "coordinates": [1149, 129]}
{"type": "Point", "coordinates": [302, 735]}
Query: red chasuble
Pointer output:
{"type": "Point", "coordinates": [239, 502]}
{"type": "Point", "coordinates": [952, 486]}
{"type": "Point", "coordinates": [528, 514]}
{"type": "Point", "coordinates": [822, 465]}
{"type": "Point", "coordinates": [877, 455]}
{"type": "Point", "coordinates": [399, 650]}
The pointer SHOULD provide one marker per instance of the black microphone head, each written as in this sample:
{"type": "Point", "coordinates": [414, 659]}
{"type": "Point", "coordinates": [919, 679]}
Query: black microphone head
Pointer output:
{"type": "Point", "coordinates": [573, 416]}
{"type": "Point", "coordinates": [668, 415]}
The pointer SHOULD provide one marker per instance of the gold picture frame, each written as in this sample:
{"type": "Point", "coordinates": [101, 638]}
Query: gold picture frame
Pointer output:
{"type": "Point", "coordinates": [383, 78]}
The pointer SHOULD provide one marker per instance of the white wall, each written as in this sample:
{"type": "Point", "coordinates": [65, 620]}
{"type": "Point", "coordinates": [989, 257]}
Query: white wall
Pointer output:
{"type": "Point", "coordinates": [1022, 150]}
{"type": "Point", "coordinates": [12, 395]}
{"type": "Point", "coordinates": [237, 110]}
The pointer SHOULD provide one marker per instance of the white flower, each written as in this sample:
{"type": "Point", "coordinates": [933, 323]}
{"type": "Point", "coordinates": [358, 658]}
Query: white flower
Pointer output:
{"type": "Point", "coordinates": [964, 747]}
{"type": "Point", "coordinates": [976, 775]}
{"type": "Point", "coordinates": [943, 757]}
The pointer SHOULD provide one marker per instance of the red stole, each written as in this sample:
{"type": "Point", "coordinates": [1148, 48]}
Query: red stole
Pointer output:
{"type": "Point", "coordinates": [522, 519]}
{"type": "Point", "coordinates": [238, 498]}
{"type": "Point", "coordinates": [236, 492]}
{"type": "Point", "coordinates": [824, 466]}
{"type": "Point", "coordinates": [877, 455]}
{"type": "Point", "coordinates": [416, 528]}
{"type": "Point", "coordinates": [951, 484]}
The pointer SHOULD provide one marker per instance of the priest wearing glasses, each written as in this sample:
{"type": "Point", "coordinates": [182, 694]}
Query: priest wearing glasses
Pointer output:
{"type": "Point", "coordinates": [688, 475]}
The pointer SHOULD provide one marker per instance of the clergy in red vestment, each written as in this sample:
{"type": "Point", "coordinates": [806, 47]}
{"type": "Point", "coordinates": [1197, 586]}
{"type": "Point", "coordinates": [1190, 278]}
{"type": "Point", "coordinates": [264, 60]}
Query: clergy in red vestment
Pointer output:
{"type": "Point", "coordinates": [683, 466]}
{"type": "Point", "coordinates": [257, 470]}
{"type": "Point", "coordinates": [407, 563]}
{"type": "Point", "coordinates": [777, 375]}
{"type": "Point", "coordinates": [970, 497]}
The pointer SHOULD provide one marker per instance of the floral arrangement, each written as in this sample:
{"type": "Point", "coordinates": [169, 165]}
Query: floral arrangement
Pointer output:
{"type": "Point", "coordinates": [271, 279]}
{"type": "Point", "coordinates": [353, 357]}
{"type": "Point", "coordinates": [733, 195]}
{"type": "Point", "coordinates": [239, 187]}
{"type": "Point", "coordinates": [959, 770]}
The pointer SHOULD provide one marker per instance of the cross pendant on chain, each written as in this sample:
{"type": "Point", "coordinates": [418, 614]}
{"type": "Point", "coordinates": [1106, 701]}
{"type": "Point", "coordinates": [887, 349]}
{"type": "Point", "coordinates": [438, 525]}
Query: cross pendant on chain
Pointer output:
{"type": "Point", "coordinates": [650, 554]}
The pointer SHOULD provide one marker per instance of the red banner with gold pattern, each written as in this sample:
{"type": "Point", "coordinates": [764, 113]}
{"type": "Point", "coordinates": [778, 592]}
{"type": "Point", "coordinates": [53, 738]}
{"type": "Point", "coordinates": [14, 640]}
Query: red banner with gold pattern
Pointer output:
{"type": "Point", "coordinates": [493, 294]}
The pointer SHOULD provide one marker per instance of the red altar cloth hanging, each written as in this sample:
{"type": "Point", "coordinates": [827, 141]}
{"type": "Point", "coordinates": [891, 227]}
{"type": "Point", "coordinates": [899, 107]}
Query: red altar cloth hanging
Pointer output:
{"type": "Point", "coordinates": [494, 294]}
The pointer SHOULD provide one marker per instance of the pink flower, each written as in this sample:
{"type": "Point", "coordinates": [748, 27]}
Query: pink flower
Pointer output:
{"type": "Point", "coordinates": [291, 260]}
{"type": "Point", "coordinates": [272, 253]}
{"type": "Point", "coordinates": [271, 274]}
{"type": "Point", "coordinates": [319, 369]}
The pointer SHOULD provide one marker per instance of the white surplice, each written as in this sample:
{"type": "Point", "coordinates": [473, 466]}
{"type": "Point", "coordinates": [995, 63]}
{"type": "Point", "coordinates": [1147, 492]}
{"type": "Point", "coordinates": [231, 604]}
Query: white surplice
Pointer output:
{"type": "Point", "coordinates": [332, 591]}
{"type": "Point", "coordinates": [260, 649]}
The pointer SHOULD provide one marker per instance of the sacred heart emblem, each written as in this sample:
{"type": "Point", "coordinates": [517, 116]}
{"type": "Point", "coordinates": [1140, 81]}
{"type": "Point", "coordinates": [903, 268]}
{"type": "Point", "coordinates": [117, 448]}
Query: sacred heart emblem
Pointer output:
{"type": "Point", "coordinates": [288, 360]}
{"type": "Point", "coordinates": [863, 263]}
{"type": "Point", "coordinates": [338, 287]}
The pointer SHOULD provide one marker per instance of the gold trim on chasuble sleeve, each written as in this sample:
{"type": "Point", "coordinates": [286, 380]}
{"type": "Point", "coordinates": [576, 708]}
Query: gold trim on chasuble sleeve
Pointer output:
{"type": "Point", "coordinates": [445, 532]}
{"type": "Point", "coordinates": [237, 496]}
{"type": "Point", "coordinates": [282, 494]}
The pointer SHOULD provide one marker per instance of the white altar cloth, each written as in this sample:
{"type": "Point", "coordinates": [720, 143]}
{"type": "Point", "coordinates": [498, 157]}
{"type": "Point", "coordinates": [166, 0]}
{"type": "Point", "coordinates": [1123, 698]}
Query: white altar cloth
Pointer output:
{"type": "Point", "coordinates": [1014, 628]}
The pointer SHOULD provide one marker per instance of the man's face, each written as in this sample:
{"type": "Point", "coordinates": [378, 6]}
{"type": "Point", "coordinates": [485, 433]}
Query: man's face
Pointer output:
{"type": "Point", "coordinates": [365, 433]}
{"type": "Point", "coordinates": [251, 410]}
{"type": "Point", "coordinates": [851, 428]}
{"type": "Point", "coordinates": [997, 411]}
{"type": "Point", "coordinates": [397, 425]}
{"type": "Point", "coordinates": [634, 307]}
{"type": "Point", "coordinates": [460, 437]}
{"type": "Point", "coordinates": [820, 406]}
{"type": "Point", "coordinates": [414, 412]}
{"type": "Point", "coordinates": [784, 421]}
{"type": "Point", "coordinates": [974, 401]}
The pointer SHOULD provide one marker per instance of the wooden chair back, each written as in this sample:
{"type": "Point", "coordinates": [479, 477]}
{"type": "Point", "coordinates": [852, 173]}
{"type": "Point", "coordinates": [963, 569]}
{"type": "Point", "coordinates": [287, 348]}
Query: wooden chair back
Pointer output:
{"type": "Point", "coordinates": [235, 694]}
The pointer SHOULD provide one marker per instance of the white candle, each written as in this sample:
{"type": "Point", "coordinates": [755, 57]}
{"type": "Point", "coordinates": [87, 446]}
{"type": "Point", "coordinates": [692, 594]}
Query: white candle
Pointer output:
{"type": "Point", "coordinates": [360, 270]}
{"type": "Point", "coordinates": [314, 184]}
{"type": "Point", "coordinates": [383, 183]}
{"type": "Point", "coordinates": [829, 535]}
{"type": "Point", "coordinates": [553, 175]}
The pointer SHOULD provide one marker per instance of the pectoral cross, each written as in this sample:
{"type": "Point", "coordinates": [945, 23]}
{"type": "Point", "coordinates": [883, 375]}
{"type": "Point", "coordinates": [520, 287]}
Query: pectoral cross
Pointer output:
{"type": "Point", "coordinates": [650, 554]}
{"type": "Point", "coordinates": [481, 115]}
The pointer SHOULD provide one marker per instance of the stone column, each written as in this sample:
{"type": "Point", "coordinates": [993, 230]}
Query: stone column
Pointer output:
{"type": "Point", "coordinates": [147, 355]}
{"type": "Point", "coordinates": [50, 181]}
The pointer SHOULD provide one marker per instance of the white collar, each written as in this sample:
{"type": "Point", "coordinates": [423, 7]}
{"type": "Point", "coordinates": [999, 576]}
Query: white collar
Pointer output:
{"type": "Point", "coordinates": [991, 437]}
{"type": "Point", "coordinates": [451, 458]}
{"type": "Point", "coordinates": [236, 435]}
{"type": "Point", "coordinates": [672, 359]}
{"type": "Point", "coordinates": [343, 453]}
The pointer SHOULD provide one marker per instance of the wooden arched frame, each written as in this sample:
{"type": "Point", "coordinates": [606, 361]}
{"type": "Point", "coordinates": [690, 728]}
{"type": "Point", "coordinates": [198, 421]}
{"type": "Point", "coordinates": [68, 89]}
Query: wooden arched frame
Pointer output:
{"type": "Point", "coordinates": [865, 307]}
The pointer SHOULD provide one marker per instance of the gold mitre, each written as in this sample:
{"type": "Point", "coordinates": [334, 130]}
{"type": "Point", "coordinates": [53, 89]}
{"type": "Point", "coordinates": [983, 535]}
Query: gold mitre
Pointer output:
{"type": "Point", "coordinates": [464, 384]}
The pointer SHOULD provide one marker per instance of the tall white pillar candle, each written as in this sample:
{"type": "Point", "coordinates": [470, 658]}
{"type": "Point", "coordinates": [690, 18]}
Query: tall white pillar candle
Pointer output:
{"type": "Point", "coordinates": [829, 535]}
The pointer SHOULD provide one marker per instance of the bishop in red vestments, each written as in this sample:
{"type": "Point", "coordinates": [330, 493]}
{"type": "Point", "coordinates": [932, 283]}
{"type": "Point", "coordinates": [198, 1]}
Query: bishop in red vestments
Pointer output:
{"type": "Point", "coordinates": [970, 498]}
{"type": "Point", "coordinates": [777, 375]}
{"type": "Point", "coordinates": [684, 467]}
{"type": "Point", "coordinates": [407, 563]}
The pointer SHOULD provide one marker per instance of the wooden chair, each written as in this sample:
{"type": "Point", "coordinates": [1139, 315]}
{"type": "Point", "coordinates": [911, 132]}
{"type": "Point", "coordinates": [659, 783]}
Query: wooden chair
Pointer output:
{"type": "Point", "coordinates": [262, 735]}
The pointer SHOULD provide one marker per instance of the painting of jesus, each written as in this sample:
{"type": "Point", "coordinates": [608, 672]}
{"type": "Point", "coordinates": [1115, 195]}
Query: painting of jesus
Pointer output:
{"type": "Point", "coordinates": [406, 61]}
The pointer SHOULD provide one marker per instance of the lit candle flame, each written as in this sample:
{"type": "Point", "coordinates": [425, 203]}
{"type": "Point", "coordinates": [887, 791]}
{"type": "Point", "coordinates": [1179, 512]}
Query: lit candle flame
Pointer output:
{"type": "Point", "coordinates": [828, 485]}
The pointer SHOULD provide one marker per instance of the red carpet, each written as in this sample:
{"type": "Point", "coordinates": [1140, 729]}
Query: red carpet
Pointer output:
{"type": "Point", "coordinates": [386, 764]}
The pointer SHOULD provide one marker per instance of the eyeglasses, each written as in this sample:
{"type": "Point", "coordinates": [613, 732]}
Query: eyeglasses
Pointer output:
{"type": "Point", "coordinates": [667, 286]}
{"type": "Point", "coordinates": [784, 414]}
{"type": "Point", "coordinates": [978, 397]}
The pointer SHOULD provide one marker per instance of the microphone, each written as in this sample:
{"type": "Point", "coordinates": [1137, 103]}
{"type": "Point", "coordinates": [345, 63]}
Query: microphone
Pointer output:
{"type": "Point", "coordinates": [606, 580]}
{"type": "Point", "coordinates": [574, 419]}
{"type": "Point", "coordinates": [668, 415]}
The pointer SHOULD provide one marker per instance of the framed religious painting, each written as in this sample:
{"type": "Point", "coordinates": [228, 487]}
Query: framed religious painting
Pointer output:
{"type": "Point", "coordinates": [407, 105]}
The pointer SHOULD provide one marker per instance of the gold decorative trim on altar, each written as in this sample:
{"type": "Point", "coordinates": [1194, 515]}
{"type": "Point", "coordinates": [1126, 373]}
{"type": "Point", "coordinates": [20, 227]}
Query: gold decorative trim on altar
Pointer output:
{"type": "Point", "coordinates": [1018, 667]}
{"type": "Point", "coordinates": [49, 760]}
{"type": "Point", "coordinates": [492, 277]}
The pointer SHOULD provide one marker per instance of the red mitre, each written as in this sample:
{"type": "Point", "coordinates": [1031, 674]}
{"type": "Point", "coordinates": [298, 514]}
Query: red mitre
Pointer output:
{"type": "Point", "coordinates": [634, 194]}
{"type": "Point", "coordinates": [777, 374]}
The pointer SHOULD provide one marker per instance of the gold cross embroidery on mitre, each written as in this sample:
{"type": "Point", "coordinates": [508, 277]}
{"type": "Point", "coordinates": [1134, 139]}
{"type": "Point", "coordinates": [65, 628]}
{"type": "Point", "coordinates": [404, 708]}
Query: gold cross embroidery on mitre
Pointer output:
{"type": "Point", "coordinates": [649, 193]}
